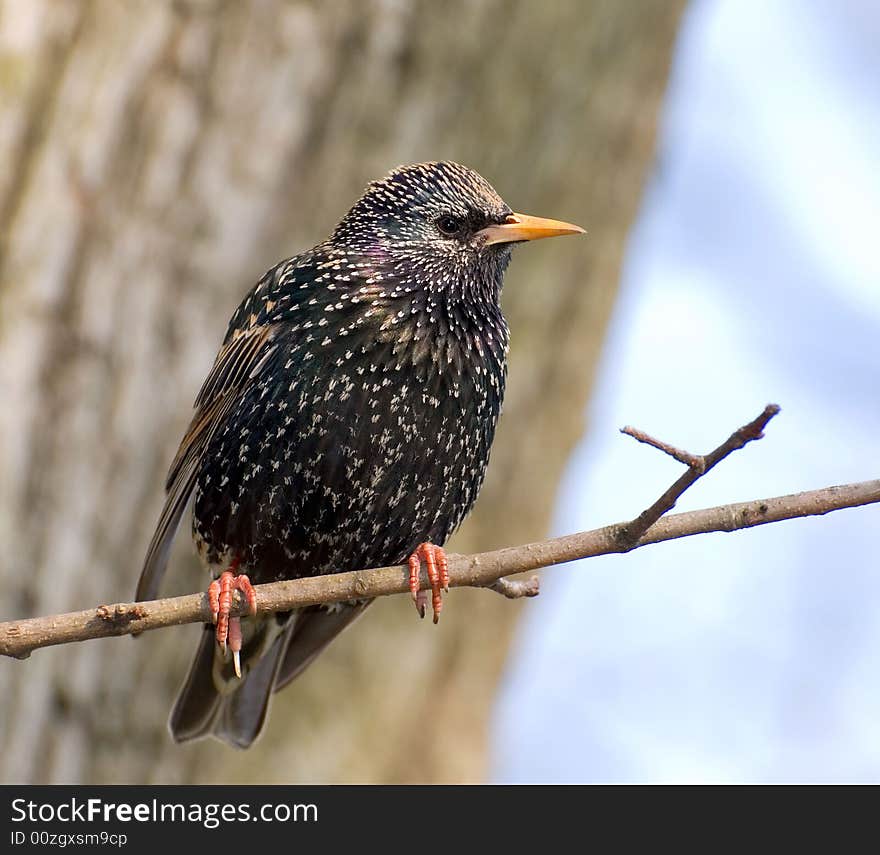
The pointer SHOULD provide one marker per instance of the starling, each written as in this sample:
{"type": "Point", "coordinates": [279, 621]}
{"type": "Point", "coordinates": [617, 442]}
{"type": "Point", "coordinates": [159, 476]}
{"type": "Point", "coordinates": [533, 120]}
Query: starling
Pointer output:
{"type": "Point", "coordinates": [346, 423]}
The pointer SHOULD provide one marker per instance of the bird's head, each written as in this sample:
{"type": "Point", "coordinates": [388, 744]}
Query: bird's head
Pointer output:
{"type": "Point", "coordinates": [440, 223]}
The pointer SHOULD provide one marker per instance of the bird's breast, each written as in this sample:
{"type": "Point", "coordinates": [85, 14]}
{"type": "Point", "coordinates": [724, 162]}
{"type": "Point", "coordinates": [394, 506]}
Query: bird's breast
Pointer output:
{"type": "Point", "coordinates": [352, 452]}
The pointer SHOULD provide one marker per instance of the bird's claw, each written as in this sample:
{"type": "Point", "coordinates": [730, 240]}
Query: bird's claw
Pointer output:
{"type": "Point", "coordinates": [437, 566]}
{"type": "Point", "coordinates": [220, 593]}
{"type": "Point", "coordinates": [421, 600]}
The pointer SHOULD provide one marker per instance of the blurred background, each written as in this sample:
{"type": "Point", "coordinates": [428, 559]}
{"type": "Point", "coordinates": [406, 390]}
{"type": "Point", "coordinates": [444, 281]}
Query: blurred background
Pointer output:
{"type": "Point", "coordinates": [159, 156]}
{"type": "Point", "coordinates": [752, 275]}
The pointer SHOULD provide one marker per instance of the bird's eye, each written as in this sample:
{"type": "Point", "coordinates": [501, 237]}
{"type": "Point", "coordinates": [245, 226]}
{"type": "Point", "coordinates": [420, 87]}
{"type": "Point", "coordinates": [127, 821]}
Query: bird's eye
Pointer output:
{"type": "Point", "coordinates": [449, 225]}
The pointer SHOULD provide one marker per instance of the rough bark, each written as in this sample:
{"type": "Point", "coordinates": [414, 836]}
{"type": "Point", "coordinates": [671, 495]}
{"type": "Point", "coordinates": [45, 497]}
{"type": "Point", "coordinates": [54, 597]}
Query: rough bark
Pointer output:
{"type": "Point", "coordinates": [158, 156]}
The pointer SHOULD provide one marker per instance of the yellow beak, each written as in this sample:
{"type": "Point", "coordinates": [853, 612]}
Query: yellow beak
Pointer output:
{"type": "Point", "coordinates": [523, 227]}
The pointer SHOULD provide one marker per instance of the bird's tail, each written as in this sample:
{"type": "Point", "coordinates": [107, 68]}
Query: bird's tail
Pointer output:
{"type": "Point", "coordinates": [213, 701]}
{"type": "Point", "coordinates": [276, 649]}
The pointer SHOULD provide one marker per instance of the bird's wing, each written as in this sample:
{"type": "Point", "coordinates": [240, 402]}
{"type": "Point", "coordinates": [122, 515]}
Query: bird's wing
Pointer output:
{"type": "Point", "coordinates": [244, 353]}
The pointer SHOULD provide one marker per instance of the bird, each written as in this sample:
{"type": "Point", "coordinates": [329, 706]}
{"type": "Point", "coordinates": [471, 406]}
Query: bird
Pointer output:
{"type": "Point", "coordinates": [346, 423]}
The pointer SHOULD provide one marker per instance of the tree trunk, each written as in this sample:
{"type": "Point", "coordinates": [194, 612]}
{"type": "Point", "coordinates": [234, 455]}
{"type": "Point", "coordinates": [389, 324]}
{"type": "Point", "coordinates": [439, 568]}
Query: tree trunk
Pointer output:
{"type": "Point", "coordinates": [158, 157]}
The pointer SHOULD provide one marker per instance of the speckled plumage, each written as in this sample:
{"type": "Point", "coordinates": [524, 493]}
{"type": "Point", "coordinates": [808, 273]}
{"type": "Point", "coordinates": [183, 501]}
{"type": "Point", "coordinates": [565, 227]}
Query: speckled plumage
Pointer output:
{"type": "Point", "coordinates": [348, 417]}
{"type": "Point", "coordinates": [367, 429]}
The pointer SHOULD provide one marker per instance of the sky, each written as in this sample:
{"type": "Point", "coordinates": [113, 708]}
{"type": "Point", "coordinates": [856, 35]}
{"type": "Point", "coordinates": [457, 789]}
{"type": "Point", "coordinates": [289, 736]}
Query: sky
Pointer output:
{"type": "Point", "coordinates": [752, 276]}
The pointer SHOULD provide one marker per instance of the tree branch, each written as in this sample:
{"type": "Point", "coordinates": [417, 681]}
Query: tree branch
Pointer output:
{"type": "Point", "coordinates": [698, 466]}
{"type": "Point", "coordinates": [487, 569]}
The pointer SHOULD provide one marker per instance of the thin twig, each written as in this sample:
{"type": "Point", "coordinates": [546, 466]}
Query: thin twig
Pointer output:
{"type": "Point", "coordinates": [19, 638]}
{"type": "Point", "coordinates": [693, 461]}
{"type": "Point", "coordinates": [630, 534]}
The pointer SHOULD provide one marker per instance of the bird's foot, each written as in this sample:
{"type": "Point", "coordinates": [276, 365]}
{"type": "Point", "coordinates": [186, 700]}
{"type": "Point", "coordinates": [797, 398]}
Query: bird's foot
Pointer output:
{"type": "Point", "coordinates": [438, 575]}
{"type": "Point", "coordinates": [220, 594]}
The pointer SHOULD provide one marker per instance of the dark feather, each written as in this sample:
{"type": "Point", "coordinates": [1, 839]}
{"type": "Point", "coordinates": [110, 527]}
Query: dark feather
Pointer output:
{"type": "Point", "coordinates": [243, 712]}
{"type": "Point", "coordinates": [236, 364]}
{"type": "Point", "coordinates": [314, 629]}
{"type": "Point", "coordinates": [198, 699]}
{"type": "Point", "coordinates": [347, 418]}
{"type": "Point", "coordinates": [213, 701]}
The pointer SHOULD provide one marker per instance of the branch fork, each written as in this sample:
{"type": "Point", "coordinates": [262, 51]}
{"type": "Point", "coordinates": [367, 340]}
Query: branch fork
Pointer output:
{"type": "Point", "coordinates": [488, 570]}
{"type": "Point", "coordinates": [698, 465]}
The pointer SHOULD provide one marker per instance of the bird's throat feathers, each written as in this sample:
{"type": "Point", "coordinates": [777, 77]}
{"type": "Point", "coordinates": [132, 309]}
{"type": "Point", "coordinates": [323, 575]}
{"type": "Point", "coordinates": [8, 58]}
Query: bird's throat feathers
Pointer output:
{"type": "Point", "coordinates": [454, 322]}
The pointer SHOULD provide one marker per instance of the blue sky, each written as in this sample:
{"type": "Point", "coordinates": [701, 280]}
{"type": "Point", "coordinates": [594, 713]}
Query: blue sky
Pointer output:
{"type": "Point", "coordinates": [752, 275]}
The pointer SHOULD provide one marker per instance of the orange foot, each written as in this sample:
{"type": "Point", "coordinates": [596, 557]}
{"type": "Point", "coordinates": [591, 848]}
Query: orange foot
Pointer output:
{"type": "Point", "coordinates": [220, 594]}
{"type": "Point", "coordinates": [438, 575]}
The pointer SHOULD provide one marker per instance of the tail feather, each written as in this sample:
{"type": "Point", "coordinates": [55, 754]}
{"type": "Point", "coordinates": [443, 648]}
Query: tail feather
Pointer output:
{"type": "Point", "coordinates": [198, 700]}
{"type": "Point", "coordinates": [242, 714]}
{"type": "Point", "coordinates": [276, 649]}
{"type": "Point", "coordinates": [315, 628]}
{"type": "Point", "coordinates": [214, 701]}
